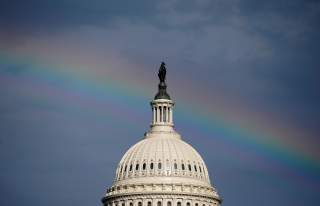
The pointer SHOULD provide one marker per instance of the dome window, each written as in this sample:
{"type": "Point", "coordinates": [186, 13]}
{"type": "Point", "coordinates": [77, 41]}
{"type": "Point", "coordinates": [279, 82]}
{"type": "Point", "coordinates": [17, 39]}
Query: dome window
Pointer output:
{"type": "Point", "coordinates": [188, 203]}
{"type": "Point", "coordinates": [196, 204]}
{"type": "Point", "coordinates": [125, 168]}
{"type": "Point", "coordinates": [189, 166]}
{"type": "Point", "coordinates": [175, 166]}
{"type": "Point", "coordinates": [178, 203]}
{"type": "Point", "coordinates": [182, 166]}
{"type": "Point", "coordinates": [130, 168]}
{"type": "Point", "coordinates": [144, 166]}
{"type": "Point", "coordinates": [159, 165]}
{"type": "Point", "coordinates": [200, 169]}
{"type": "Point", "coordinates": [139, 203]}
{"type": "Point", "coordinates": [169, 203]}
{"type": "Point", "coordinates": [151, 165]}
{"type": "Point", "coordinates": [195, 168]}
{"type": "Point", "coordinates": [123, 204]}
{"type": "Point", "coordinates": [159, 203]}
{"type": "Point", "coordinates": [131, 204]}
{"type": "Point", "coordinates": [149, 203]}
{"type": "Point", "coordinates": [137, 166]}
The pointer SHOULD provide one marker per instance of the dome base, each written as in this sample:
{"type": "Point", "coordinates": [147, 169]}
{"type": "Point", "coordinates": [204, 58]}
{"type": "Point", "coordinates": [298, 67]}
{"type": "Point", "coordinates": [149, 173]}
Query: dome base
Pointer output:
{"type": "Point", "coordinates": [156, 198]}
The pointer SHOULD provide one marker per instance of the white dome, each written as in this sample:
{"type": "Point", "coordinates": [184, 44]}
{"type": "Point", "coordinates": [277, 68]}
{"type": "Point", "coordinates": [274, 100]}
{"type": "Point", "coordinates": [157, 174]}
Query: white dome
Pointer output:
{"type": "Point", "coordinates": [161, 169]}
{"type": "Point", "coordinates": [164, 157]}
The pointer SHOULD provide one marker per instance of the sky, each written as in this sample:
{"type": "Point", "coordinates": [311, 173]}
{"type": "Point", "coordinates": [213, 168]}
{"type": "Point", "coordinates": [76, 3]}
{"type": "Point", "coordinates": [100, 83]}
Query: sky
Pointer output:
{"type": "Point", "coordinates": [77, 76]}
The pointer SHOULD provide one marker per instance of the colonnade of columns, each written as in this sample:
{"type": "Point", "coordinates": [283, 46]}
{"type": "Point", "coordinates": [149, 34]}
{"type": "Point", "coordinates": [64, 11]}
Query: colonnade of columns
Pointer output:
{"type": "Point", "coordinates": [162, 113]}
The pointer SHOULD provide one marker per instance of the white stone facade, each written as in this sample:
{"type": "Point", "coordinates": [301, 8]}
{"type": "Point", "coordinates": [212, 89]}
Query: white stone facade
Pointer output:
{"type": "Point", "coordinates": [161, 169]}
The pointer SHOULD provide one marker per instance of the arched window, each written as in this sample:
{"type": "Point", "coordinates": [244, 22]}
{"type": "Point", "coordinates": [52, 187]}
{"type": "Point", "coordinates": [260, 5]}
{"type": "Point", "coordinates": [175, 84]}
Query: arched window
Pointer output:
{"type": "Point", "coordinates": [182, 166]}
{"type": "Point", "coordinates": [203, 205]}
{"type": "Point", "coordinates": [159, 165]}
{"type": "Point", "coordinates": [139, 203]}
{"type": "Point", "coordinates": [149, 203]}
{"type": "Point", "coordinates": [131, 204]}
{"type": "Point", "coordinates": [189, 166]}
{"type": "Point", "coordinates": [151, 165]}
{"type": "Point", "coordinates": [196, 204]}
{"type": "Point", "coordinates": [137, 166]}
{"type": "Point", "coordinates": [159, 203]}
{"type": "Point", "coordinates": [168, 203]}
{"type": "Point", "coordinates": [125, 168]}
{"type": "Point", "coordinates": [144, 166]}
{"type": "Point", "coordinates": [130, 168]}
{"type": "Point", "coordinates": [195, 168]}
{"type": "Point", "coordinates": [175, 166]}
{"type": "Point", "coordinates": [188, 203]}
{"type": "Point", "coordinates": [123, 204]}
{"type": "Point", "coordinates": [178, 203]}
{"type": "Point", "coordinates": [200, 169]}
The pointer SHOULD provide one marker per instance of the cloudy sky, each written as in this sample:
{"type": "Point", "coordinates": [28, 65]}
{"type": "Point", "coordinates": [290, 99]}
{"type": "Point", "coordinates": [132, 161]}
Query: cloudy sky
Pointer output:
{"type": "Point", "coordinates": [77, 76]}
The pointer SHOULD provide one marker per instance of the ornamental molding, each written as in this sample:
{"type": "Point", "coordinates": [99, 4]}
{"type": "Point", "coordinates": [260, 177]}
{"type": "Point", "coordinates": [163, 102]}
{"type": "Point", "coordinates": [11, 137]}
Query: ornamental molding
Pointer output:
{"type": "Point", "coordinates": [178, 187]}
{"type": "Point", "coordinates": [161, 196]}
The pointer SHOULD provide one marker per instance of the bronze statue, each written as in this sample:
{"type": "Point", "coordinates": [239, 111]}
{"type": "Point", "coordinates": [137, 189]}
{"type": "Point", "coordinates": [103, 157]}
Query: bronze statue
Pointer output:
{"type": "Point", "coordinates": [162, 87]}
{"type": "Point", "coordinates": [162, 72]}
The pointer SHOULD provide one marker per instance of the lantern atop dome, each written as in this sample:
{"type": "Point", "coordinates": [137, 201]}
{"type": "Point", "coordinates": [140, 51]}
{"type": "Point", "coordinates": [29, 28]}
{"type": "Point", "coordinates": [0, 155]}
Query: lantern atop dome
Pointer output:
{"type": "Point", "coordinates": [162, 105]}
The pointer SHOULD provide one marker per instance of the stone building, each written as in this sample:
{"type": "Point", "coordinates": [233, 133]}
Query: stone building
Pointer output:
{"type": "Point", "coordinates": [161, 169]}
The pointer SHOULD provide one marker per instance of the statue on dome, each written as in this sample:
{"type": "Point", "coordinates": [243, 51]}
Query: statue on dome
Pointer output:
{"type": "Point", "coordinates": [162, 72]}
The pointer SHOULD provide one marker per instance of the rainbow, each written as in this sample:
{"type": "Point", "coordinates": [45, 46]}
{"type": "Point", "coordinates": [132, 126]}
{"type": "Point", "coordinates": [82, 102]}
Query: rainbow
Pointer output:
{"type": "Point", "coordinates": [70, 82]}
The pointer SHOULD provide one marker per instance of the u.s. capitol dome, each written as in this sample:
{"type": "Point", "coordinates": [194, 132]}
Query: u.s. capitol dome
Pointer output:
{"type": "Point", "coordinates": [161, 169]}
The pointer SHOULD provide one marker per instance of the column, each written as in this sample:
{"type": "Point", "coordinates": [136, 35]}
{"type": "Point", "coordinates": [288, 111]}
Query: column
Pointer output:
{"type": "Point", "coordinates": [167, 114]}
{"type": "Point", "coordinates": [164, 113]}
{"type": "Point", "coordinates": [161, 113]}
{"type": "Point", "coordinates": [171, 120]}
{"type": "Point", "coordinates": [158, 114]}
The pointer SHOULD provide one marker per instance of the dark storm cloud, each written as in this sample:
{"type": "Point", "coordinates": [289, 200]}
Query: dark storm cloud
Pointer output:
{"type": "Point", "coordinates": [56, 15]}
{"type": "Point", "coordinates": [37, 14]}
